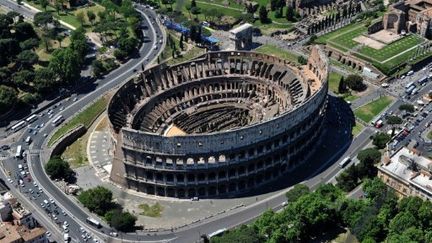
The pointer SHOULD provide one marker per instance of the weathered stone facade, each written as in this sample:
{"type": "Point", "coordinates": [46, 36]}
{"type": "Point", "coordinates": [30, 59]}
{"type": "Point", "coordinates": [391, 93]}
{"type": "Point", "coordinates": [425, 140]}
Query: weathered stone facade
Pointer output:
{"type": "Point", "coordinates": [242, 119]}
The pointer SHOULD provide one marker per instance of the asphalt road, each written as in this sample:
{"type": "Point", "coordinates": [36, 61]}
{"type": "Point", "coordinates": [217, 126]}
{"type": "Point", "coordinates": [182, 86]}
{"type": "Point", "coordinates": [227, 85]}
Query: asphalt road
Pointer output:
{"type": "Point", "coordinates": [76, 215]}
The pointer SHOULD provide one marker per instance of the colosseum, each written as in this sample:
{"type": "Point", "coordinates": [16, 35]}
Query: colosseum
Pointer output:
{"type": "Point", "coordinates": [218, 125]}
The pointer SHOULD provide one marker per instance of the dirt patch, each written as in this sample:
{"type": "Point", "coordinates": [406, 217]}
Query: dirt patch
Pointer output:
{"type": "Point", "coordinates": [364, 40]}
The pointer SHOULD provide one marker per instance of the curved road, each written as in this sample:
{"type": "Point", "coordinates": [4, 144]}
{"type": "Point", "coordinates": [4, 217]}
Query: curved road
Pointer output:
{"type": "Point", "coordinates": [187, 234]}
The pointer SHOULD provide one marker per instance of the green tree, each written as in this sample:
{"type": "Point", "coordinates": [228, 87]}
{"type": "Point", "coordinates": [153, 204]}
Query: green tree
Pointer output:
{"type": "Point", "coordinates": [407, 107]}
{"type": "Point", "coordinates": [181, 42]}
{"type": "Point", "coordinates": [24, 31]}
{"type": "Point", "coordinates": [122, 221]}
{"type": "Point", "coordinates": [380, 140]}
{"type": "Point", "coordinates": [91, 16]}
{"type": "Point", "coordinates": [120, 54]}
{"type": "Point", "coordinates": [374, 188]}
{"type": "Point", "coordinates": [393, 120]}
{"type": "Point", "coordinates": [348, 179]}
{"type": "Point", "coordinates": [27, 58]}
{"type": "Point", "coordinates": [97, 200]}
{"type": "Point", "coordinates": [296, 192]}
{"type": "Point", "coordinates": [23, 78]}
{"type": "Point", "coordinates": [290, 15]}
{"type": "Point", "coordinates": [369, 154]}
{"type": "Point", "coordinates": [342, 86]}
{"type": "Point", "coordinates": [263, 15]}
{"type": "Point", "coordinates": [98, 68]}
{"type": "Point", "coordinates": [44, 4]}
{"type": "Point", "coordinates": [80, 17]}
{"type": "Point", "coordinates": [355, 82]}
{"type": "Point", "coordinates": [44, 80]}
{"type": "Point", "coordinates": [79, 43]}
{"type": "Point", "coordinates": [65, 63]}
{"type": "Point", "coordinates": [193, 4]}
{"type": "Point", "coordinates": [302, 60]}
{"type": "Point", "coordinates": [57, 168]}
{"type": "Point", "coordinates": [8, 98]}
{"type": "Point", "coordinates": [128, 44]}
{"type": "Point", "coordinates": [242, 234]}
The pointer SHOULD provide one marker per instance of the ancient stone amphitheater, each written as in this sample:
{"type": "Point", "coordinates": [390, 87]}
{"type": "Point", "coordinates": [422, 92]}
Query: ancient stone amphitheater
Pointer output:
{"type": "Point", "coordinates": [218, 125]}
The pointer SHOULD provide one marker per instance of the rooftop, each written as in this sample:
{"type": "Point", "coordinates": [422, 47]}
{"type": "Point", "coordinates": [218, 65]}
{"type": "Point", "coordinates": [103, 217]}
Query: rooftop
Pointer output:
{"type": "Point", "coordinates": [411, 168]}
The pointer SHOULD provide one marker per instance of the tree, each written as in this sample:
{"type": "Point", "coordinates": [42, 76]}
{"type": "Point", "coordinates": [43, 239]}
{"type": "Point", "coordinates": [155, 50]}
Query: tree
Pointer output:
{"type": "Point", "coordinates": [298, 191]}
{"type": "Point", "coordinates": [369, 154]}
{"type": "Point", "coordinates": [392, 120]}
{"type": "Point", "coordinates": [79, 43]}
{"type": "Point", "coordinates": [193, 4]}
{"type": "Point", "coordinates": [407, 107]}
{"type": "Point", "coordinates": [374, 188]}
{"type": "Point", "coordinates": [290, 15]}
{"type": "Point", "coordinates": [29, 44]}
{"type": "Point", "coordinates": [355, 82]}
{"type": "Point", "coordinates": [43, 19]}
{"type": "Point", "coordinates": [302, 60]}
{"type": "Point", "coordinates": [242, 234]}
{"type": "Point", "coordinates": [27, 58]}
{"type": "Point", "coordinates": [263, 15]}
{"type": "Point", "coordinates": [342, 86]}
{"type": "Point", "coordinates": [57, 168]}
{"type": "Point", "coordinates": [195, 11]}
{"type": "Point", "coordinates": [44, 4]}
{"type": "Point", "coordinates": [91, 16]}
{"type": "Point", "coordinates": [80, 17]}
{"type": "Point", "coordinates": [97, 200]}
{"type": "Point", "coordinates": [122, 221]}
{"type": "Point", "coordinates": [23, 78]}
{"type": "Point", "coordinates": [120, 54]}
{"type": "Point", "coordinates": [128, 45]}
{"type": "Point", "coordinates": [98, 68]}
{"type": "Point", "coordinates": [8, 98]}
{"type": "Point", "coordinates": [348, 179]}
{"type": "Point", "coordinates": [44, 80]}
{"type": "Point", "coordinates": [181, 42]}
{"type": "Point", "coordinates": [65, 63]}
{"type": "Point", "coordinates": [24, 31]}
{"type": "Point", "coordinates": [380, 140]}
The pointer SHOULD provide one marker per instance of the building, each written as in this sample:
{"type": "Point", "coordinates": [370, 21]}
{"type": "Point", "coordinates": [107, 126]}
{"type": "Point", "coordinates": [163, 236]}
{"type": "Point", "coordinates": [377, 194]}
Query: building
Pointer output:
{"type": "Point", "coordinates": [409, 173]}
{"type": "Point", "coordinates": [218, 125]}
{"type": "Point", "coordinates": [12, 233]}
{"type": "Point", "coordinates": [410, 16]}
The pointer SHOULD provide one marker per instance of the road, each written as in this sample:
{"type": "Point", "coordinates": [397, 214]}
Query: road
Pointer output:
{"type": "Point", "coordinates": [76, 215]}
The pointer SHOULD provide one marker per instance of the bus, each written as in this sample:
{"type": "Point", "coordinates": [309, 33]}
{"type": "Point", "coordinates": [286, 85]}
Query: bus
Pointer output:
{"type": "Point", "coordinates": [19, 152]}
{"type": "Point", "coordinates": [409, 85]}
{"type": "Point", "coordinates": [18, 126]}
{"type": "Point", "coordinates": [59, 119]}
{"type": "Point", "coordinates": [93, 222]}
{"type": "Point", "coordinates": [217, 233]}
{"type": "Point", "coordinates": [423, 80]}
{"type": "Point", "coordinates": [344, 162]}
{"type": "Point", "coordinates": [414, 91]}
{"type": "Point", "coordinates": [32, 118]}
{"type": "Point", "coordinates": [410, 90]}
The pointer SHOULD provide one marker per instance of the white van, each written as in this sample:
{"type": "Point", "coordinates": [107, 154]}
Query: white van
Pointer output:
{"type": "Point", "coordinates": [28, 140]}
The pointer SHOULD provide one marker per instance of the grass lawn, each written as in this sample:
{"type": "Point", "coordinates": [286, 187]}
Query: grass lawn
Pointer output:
{"type": "Point", "coordinates": [85, 118]}
{"type": "Point", "coordinates": [357, 129]}
{"type": "Point", "coordinates": [154, 210]}
{"type": "Point", "coordinates": [367, 112]}
{"type": "Point", "coordinates": [278, 52]}
{"type": "Point", "coordinates": [76, 153]}
{"type": "Point", "coordinates": [345, 41]}
{"type": "Point", "coordinates": [429, 135]}
{"type": "Point", "coordinates": [348, 28]}
{"type": "Point", "coordinates": [334, 79]}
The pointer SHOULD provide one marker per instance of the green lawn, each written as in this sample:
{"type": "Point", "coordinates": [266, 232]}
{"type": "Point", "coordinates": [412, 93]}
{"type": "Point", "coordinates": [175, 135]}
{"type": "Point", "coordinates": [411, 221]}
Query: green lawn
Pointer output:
{"type": "Point", "coordinates": [278, 52]}
{"type": "Point", "coordinates": [357, 129]}
{"type": "Point", "coordinates": [345, 41]}
{"type": "Point", "coordinates": [85, 118]}
{"type": "Point", "coordinates": [392, 49]}
{"type": "Point", "coordinates": [334, 79]}
{"type": "Point", "coordinates": [324, 38]}
{"type": "Point", "coordinates": [151, 210]}
{"type": "Point", "coordinates": [367, 112]}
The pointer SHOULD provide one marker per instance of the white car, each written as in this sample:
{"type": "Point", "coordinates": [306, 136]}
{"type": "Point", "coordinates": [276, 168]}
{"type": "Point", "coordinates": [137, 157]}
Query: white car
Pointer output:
{"type": "Point", "coordinates": [51, 200]}
{"type": "Point", "coordinates": [48, 233]}
{"type": "Point", "coordinates": [35, 184]}
{"type": "Point", "coordinates": [10, 180]}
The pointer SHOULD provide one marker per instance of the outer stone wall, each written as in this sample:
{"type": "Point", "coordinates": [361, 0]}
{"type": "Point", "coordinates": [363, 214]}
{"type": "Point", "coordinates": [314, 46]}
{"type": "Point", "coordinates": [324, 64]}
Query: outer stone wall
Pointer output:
{"type": "Point", "coordinates": [224, 162]}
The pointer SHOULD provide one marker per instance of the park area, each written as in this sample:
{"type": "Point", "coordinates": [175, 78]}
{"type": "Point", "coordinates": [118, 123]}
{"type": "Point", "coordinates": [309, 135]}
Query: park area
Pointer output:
{"type": "Point", "coordinates": [367, 112]}
{"type": "Point", "coordinates": [387, 58]}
